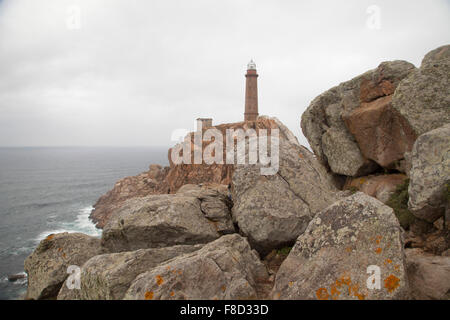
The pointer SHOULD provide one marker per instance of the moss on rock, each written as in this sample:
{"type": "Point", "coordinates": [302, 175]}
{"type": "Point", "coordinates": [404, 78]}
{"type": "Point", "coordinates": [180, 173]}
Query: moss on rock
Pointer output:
{"type": "Point", "coordinates": [399, 202]}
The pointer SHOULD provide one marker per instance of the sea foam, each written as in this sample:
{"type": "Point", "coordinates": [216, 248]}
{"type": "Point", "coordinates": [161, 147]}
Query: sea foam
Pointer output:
{"type": "Point", "coordinates": [81, 224]}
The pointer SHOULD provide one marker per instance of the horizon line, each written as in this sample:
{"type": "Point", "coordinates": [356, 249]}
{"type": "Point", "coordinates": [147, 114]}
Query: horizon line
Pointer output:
{"type": "Point", "coordinates": [86, 146]}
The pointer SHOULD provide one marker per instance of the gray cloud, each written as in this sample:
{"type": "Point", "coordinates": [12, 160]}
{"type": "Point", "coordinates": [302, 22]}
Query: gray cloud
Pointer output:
{"type": "Point", "coordinates": [137, 70]}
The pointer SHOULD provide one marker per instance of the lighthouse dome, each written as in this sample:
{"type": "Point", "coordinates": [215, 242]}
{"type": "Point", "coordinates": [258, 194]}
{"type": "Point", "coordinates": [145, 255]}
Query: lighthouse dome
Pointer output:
{"type": "Point", "coordinates": [251, 65]}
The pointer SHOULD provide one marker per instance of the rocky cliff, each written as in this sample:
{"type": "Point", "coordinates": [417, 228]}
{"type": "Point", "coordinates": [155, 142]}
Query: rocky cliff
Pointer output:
{"type": "Point", "coordinates": [166, 180]}
{"type": "Point", "coordinates": [366, 216]}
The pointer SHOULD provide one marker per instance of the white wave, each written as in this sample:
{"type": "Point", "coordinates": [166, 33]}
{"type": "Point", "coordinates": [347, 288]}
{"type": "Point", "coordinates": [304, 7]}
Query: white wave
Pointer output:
{"type": "Point", "coordinates": [82, 224]}
{"type": "Point", "coordinates": [20, 282]}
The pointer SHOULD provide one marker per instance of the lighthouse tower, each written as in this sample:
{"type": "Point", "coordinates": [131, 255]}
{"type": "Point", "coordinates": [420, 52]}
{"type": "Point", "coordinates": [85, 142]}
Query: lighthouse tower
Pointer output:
{"type": "Point", "coordinates": [251, 93]}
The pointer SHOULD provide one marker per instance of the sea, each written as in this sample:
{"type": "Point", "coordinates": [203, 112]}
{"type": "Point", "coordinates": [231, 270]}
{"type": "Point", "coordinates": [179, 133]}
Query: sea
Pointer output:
{"type": "Point", "coordinates": [45, 190]}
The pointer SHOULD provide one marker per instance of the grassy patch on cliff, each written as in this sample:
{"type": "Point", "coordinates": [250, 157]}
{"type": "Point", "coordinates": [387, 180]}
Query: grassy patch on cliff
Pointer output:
{"type": "Point", "coordinates": [399, 202]}
{"type": "Point", "coordinates": [447, 191]}
{"type": "Point", "coordinates": [353, 190]}
{"type": "Point", "coordinates": [284, 251]}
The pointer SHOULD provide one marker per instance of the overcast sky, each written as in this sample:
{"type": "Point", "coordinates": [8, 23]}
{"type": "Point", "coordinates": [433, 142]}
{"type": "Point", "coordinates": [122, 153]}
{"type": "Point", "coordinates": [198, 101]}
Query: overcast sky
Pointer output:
{"type": "Point", "coordinates": [129, 72]}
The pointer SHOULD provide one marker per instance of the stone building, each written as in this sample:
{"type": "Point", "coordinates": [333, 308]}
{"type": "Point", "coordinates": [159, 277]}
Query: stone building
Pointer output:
{"type": "Point", "coordinates": [203, 123]}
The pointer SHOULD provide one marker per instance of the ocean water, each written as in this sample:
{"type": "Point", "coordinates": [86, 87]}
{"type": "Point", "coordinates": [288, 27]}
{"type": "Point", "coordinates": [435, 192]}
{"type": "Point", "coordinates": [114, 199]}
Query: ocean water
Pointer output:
{"type": "Point", "coordinates": [50, 190]}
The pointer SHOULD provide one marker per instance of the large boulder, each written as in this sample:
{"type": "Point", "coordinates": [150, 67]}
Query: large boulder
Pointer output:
{"type": "Point", "coordinates": [108, 276]}
{"type": "Point", "coordinates": [273, 210]}
{"type": "Point", "coordinates": [144, 184]}
{"type": "Point", "coordinates": [430, 174]}
{"type": "Point", "coordinates": [344, 242]}
{"type": "Point", "coordinates": [343, 154]}
{"type": "Point", "coordinates": [215, 204]}
{"type": "Point", "coordinates": [383, 135]}
{"type": "Point", "coordinates": [47, 266]}
{"type": "Point", "coordinates": [323, 122]}
{"type": "Point", "coordinates": [429, 275]}
{"type": "Point", "coordinates": [224, 269]}
{"type": "Point", "coordinates": [194, 217]}
{"type": "Point", "coordinates": [422, 97]}
{"type": "Point", "coordinates": [270, 214]}
{"type": "Point", "coordinates": [440, 53]}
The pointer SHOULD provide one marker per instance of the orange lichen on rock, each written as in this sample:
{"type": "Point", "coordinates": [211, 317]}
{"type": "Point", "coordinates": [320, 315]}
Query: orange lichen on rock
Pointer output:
{"type": "Point", "coordinates": [344, 280]}
{"type": "Point", "coordinates": [354, 290]}
{"type": "Point", "coordinates": [224, 288]}
{"type": "Point", "coordinates": [387, 261]}
{"type": "Point", "coordinates": [360, 296]}
{"type": "Point", "coordinates": [322, 294]}
{"type": "Point", "coordinates": [159, 280]}
{"type": "Point", "coordinates": [172, 293]}
{"type": "Point", "coordinates": [391, 283]}
{"type": "Point", "coordinates": [50, 236]}
{"type": "Point", "coordinates": [148, 295]}
{"type": "Point", "coordinates": [378, 250]}
{"type": "Point", "coordinates": [378, 239]}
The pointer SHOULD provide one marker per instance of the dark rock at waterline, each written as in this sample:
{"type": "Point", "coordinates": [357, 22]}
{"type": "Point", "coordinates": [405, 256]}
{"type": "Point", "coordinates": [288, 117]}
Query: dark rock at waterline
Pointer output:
{"type": "Point", "coordinates": [15, 277]}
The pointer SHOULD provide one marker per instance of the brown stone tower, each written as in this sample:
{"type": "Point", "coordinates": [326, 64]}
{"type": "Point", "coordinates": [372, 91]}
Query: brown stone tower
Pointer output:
{"type": "Point", "coordinates": [251, 93]}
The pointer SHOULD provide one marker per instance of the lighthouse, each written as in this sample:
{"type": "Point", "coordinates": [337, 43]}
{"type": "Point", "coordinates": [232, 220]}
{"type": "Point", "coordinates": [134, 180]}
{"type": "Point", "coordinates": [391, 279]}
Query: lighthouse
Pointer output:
{"type": "Point", "coordinates": [251, 93]}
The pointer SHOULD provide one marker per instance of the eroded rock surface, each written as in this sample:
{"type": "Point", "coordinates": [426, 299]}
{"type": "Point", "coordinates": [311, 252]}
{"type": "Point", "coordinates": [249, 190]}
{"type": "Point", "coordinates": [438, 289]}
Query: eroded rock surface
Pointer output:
{"type": "Point", "coordinates": [327, 133]}
{"type": "Point", "coordinates": [215, 204]}
{"type": "Point", "coordinates": [430, 174]}
{"type": "Point", "coordinates": [194, 216]}
{"type": "Point", "coordinates": [224, 269]}
{"type": "Point", "coordinates": [108, 276]}
{"type": "Point", "coordinates": [429, 275]}
{"type": "Point", "coordinates": [273, 210]}
{"type": "Point", "coordinates": [331, 259]}
{"type": "Point", "coordinates": [144, 184]}
{"type": "Point", "coordinates": [383, 135]}
{"type": "Point", "coordinates": [422, 98]}
{"type": "Point", "coordinates": [47, 265]}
